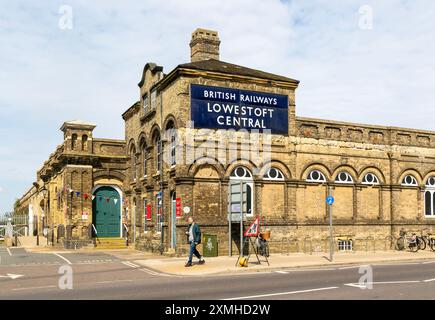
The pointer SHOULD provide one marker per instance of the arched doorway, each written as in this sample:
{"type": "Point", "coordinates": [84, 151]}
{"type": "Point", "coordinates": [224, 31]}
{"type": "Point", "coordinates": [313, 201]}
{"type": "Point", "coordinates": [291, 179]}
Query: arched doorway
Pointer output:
{"type": "Point", "coordinates": [106, 208]}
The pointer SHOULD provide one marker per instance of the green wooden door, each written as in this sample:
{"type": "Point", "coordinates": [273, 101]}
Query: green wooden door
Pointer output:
{"type": "Point", "coordinates": [107, 212]}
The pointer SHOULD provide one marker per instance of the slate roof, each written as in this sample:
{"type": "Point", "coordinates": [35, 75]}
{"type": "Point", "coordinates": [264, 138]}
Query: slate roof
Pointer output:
{"type": "Point", "coordinates": [225, 67]}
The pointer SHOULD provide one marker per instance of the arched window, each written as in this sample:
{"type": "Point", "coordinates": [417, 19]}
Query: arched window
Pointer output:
{"type": "Point", "coordinates": [409, 181]}
{"type": "Point", "coordinates": [73, 141]}
{"type": "Point", "coordinates": [241, 173]}
{"type": "Point", "coordinates": [316, 176]}
{"type": "Point", "coordinates": [158, 151]}
{"type": "Point", "coordinates": [144, 155]}
{"type": "Point", "coordinates": [343, 177]}
{"type": "Point", "coordinates": [370, 179]}
{"type": "Point", "coordinates": [84, 142]}
{"type": "Point", "coordinates": [430, 182]}
{"type": "Point", "coordinates": [172, 137]}
{"type": "Point", "coordinates": [429, 198]}
{"type": "Point", "coordinates": [274, 174]}
{"type": "Point", "coordinates": [133, 163]}
{"type": "Point", "coordinates": [241, 196]}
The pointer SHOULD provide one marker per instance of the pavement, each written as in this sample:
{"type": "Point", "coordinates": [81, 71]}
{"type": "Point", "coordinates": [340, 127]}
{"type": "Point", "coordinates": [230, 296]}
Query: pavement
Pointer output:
{"type": "Point", "coordinates": [129, 274]}
{"type": "Point", "coordinates": [222, 265]}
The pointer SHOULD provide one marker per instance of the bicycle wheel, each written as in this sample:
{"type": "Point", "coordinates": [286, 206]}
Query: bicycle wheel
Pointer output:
{"type": "Point", "coordinates": [432, 244]}
{"type": "Point", "coordinates": [400, 244]}
{"type": "Point", "coordinates": [413, 247]}
{"type": "Point", "coordinates": [421, 243]}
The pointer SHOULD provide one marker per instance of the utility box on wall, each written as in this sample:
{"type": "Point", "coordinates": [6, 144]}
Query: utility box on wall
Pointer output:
{"type": "Point", "coordinates": [210, 245]}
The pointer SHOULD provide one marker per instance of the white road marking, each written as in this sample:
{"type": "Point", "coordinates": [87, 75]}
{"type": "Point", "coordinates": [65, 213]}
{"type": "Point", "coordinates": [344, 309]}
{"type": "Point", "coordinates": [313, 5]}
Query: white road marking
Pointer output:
{"type": "Point", "coordinates": [11, 276]}
{"type": "Point", "coordinates": [429, 280]}
{"type": "Point", "coordinates": [32, 288]}
{"type": "Point", "coordinates": [395, 264]}
{"type": "Point", "coordinates": [428, 262]}
{"type": "Point", "coordinates": [353, 267]}
{"type": "Point", "coordinates": [282, 293]}
{"type": "Point", "coordinates": [149, 271]}
{"type": "Point", "coordinates": [113, 281]}
{"type": "Point", "coordinates": [307, 270]}
{"type": "Point", "coordinates": [9, 251]}
{"type": "Point", "coordinates": [357, 285]}
{"type": "Point", "coordinates": [63, 258]}
{"type": "Point", "coordinates": [130, 264]}
{"type": "Point", "coordinates": [283, 272]}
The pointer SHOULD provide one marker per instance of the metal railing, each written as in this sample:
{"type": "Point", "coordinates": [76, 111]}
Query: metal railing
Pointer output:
{"type": "Point", "coordinates": [96, 233]}
{"type": "Point", "coordinates": [2, 232]}
{"type": "Point", "coordinates": [15, 220]}
{"type": "Point", "coordinates": [126, 233]}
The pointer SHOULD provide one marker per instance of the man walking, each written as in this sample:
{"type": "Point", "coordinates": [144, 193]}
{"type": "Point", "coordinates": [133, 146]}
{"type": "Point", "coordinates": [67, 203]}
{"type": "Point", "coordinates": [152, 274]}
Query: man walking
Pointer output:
{"type": "Point", "coordinates": [194, 234]}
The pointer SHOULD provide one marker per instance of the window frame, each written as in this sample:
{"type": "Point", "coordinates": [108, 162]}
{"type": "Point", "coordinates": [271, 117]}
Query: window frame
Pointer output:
{"type": "Point", "coordinates": [406, 184]}
{"type": "Point", "coordinates": [429, 191]}
{"type": "Point", "coordinates": [145, 102]}
{"type": "Point", "coordinates": [322, 177]}
{"type": "Point", "coordinates": [375, 182]}
{"type": "Point", "coordinates": [158, 153]}
{"type": "Point", "coordinates": [280, 176]}
{"type": "Point", "coordinates": [250, 194]}
{"type": "Point", "coordinates": [153, 100]}
{"type": "Point", "coordinates": [345, 245]}
{"type": "Point", "coordinates": [349, 179]}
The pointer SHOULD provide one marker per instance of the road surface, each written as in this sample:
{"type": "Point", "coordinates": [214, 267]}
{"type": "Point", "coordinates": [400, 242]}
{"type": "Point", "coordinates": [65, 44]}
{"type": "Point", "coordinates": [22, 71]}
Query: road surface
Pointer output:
{"type": "Point", "coordinates": [99, 275]}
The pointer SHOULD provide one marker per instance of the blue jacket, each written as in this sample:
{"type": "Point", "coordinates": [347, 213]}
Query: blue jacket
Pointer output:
{"type": "Point", "coordinates": [196, 233]}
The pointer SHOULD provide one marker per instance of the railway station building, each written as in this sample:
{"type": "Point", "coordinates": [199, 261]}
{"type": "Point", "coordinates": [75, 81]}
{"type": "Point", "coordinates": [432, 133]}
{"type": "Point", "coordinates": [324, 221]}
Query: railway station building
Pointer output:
{"type": "Point", "coordinates": [212, 139]}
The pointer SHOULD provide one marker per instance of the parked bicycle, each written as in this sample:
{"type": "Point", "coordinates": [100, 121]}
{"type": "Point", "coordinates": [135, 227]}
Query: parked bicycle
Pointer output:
{"type": "Point", "coordinates": [412, 242]}
{"type": "Point", "coordinates": [428, 240]}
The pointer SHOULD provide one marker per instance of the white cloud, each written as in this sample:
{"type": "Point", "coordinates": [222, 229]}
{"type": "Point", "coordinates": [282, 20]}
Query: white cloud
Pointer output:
{"type": "Point", "coordinates": [382, 76]}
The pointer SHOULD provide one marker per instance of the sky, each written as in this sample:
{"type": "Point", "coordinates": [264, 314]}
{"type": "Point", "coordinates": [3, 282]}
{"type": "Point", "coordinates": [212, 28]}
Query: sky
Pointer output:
{"type": "Point", "coordinates": [359, 61]}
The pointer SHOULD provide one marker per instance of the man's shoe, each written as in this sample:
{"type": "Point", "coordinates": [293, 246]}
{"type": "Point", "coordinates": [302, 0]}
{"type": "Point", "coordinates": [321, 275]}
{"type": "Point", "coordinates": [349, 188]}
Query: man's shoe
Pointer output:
{"type": "Point", "coordinates": [202, 261]}
{"type": "Point", "coordinates": [188, 264]}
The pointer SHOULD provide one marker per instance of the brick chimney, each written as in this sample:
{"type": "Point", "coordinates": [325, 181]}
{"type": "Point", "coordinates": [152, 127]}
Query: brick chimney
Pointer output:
{"type": "Point", "coordinates": [204, 45]}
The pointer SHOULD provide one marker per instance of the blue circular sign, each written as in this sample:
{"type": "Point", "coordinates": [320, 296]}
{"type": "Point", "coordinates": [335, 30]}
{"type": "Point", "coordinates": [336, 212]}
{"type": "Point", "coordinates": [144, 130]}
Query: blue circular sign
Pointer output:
{"type": "Point", "coordinates": [330, 200]}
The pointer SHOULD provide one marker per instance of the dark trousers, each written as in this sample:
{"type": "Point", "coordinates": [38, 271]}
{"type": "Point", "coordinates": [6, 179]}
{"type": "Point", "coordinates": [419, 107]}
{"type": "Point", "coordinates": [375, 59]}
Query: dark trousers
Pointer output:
{"type": "Point", "coordinates": [193, 251]}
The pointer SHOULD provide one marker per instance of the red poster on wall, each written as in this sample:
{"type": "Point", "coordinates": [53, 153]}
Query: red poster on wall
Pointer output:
{"type": "Point", "coordinates": [178, 207]}
{"type": "Point", "coordinates": [149, 212]}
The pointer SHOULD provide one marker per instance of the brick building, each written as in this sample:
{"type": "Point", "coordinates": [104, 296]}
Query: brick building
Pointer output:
{"type": "Point", "coordinates": [168, 167]}
{"type": "Point", "coordinates": [80, 175]}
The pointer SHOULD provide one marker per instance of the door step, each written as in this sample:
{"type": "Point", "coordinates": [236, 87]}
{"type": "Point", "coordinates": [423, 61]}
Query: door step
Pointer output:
{"type": "Point", "coordinates": [111, 243]}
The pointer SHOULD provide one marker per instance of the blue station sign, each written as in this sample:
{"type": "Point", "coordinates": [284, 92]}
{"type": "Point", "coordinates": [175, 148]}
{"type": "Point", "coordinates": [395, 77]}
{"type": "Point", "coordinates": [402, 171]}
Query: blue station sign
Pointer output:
{"type": "Point", "coordinates": [226, 108]}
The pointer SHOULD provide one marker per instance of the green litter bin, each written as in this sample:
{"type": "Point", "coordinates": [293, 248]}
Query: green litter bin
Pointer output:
{"type": "Point", "coordinates": [210, 245]}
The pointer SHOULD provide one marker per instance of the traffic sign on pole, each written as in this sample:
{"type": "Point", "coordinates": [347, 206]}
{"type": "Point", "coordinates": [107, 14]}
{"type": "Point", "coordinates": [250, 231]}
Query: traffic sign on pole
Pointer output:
{"type": "Point", "coordinates": [330, 201]}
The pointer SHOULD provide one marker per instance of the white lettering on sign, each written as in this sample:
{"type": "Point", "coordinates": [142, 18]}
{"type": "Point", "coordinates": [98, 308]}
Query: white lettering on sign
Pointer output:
{"type": "Point", "coordinates": [219, 95]}
{"type": "Point", "coordinates": [258, 99]}
{"type": "Point", "coordinates": [233, 109]}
